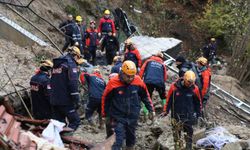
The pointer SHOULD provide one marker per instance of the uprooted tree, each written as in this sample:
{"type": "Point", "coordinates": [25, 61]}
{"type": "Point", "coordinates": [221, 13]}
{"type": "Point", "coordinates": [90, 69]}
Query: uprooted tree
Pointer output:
{"type": "Point", "coordinates": [229, 21]}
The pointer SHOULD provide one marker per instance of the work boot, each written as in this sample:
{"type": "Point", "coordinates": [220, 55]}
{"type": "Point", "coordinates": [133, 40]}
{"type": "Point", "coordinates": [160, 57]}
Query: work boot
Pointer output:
{"type": "Point", "coordinates": [91, 123]}
{"type": "Point", "coordinates": [188, 146]}
{"type": "Point", "coordinates": [145, 118]}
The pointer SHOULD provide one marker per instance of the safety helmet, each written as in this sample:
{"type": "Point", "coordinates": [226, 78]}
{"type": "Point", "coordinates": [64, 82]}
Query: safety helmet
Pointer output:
{"type": "Point", "coordinates": [189, 76]}
{"type": "Point", "coordinates": [159, 54]}
{"type": "Point", "coordinates": [96, 70]}
{"type": "Point", "coordinates": [117, 58]}
{"type": "Point", "coordinates": [128, 67]}
{"type": "Point", "coordinates": [128, 42]}
{"type": "Point", "coordinates": [70, 17]}
{"type": "Point", "coordinates": [92, 22]}
{"type": "Point", "coordinates": [46, 63]}
{"type": "Point", "coordinates": [81, 61]}
{"type": "Point", "coordinates": [213, 39]}
{"type": "Point", "coordinates": [75, 50]}
{"type": "Point", "coordinates": [79, 18]}
{"type": "Point", "coordinates": [202, 61]}
{"type": "Point", "coordinates": [106, 12]}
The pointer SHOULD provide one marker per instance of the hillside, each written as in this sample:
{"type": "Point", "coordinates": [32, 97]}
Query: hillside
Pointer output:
{"type": "Point", "coordinates": [21, 62]}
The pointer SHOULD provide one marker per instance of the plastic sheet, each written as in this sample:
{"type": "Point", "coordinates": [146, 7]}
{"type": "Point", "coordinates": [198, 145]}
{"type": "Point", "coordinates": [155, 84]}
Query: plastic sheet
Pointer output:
{"type": "Point", "coordinates": [51, 132]}
{"type": "Point", "coordinates": [217, 138]}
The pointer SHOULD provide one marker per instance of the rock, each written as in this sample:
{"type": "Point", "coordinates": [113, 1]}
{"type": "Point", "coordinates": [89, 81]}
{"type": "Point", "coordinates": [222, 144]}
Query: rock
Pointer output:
{"type": "Point", "coordinates": [245, 144]}
{"type": "Point", "coordinates": [239, 131]}
{"type": "Point", "coordinates": [199, 134]}
{"type": "Point", "coordinates": [232, 146]}
{"type": "Point", "coordinates": [165, 141]}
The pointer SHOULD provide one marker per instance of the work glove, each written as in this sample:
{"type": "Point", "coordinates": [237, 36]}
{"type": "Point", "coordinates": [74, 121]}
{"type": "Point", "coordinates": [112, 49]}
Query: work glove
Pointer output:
{"type": "Point", "coordinates": [151, 116]}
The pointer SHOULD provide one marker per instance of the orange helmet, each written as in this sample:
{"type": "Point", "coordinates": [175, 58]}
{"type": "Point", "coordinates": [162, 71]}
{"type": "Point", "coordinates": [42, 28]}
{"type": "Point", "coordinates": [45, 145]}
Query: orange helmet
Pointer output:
{"type": "Point", "coordinates": [202, 61]}
{"type": "Point", "coordinates": [129, 68]}
{"type": "Point", "coordinates": [212, 39]}
{"type": "Point", "coordinates": [75, 50]}
{"type": "Point", "coordinates": [159, 54]}
{"type": "Point", "coordinates": [128, 42]}
{"type": "Point", "coordinates": [46, 63]}
{"type": "Point", "coordinates": [189, 76]}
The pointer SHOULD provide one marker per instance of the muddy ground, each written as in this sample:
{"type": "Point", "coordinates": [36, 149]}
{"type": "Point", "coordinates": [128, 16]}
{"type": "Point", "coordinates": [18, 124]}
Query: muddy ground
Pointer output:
{"type": "Point", "coordinates": [22, 62]}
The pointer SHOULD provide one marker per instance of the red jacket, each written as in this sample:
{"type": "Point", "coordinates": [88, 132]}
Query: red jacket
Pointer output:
{"type": "Point", "coordinates": [150, 70]}
{"type": "Point", "coordinates": [91, 37]}
{"type": "Point", "coordinates": [96, 84]}
{"type": "Point", "coordinates": [123, 101]}
{"type": "Point", "coordinates": [183, 101]}
{"type": "Point", "coordinates": [205, 80]}
{"type": "Point", "coordinates": [106, 25]}
{"type": "Point", "coordinates": [133, 55]}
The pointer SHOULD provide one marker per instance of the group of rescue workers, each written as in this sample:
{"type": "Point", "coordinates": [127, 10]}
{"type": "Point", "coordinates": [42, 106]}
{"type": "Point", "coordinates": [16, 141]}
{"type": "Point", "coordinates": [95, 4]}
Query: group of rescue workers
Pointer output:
{"type": "Point", "coordinates": [55, 86]}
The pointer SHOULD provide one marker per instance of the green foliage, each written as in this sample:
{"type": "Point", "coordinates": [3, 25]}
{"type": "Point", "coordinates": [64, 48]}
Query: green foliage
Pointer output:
{"type": "Point", "coordinates": [225, 19]}
{"type": "Point", "coordinates": [72, 10]}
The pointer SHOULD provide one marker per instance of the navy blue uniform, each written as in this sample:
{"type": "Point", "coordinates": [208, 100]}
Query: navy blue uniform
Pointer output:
{"type": "Point", "coordinates": [116, 68]}
{"type": "Point", "coordinates": [154, 74]}
{"type": "Point", "coordinates": [64, 84]}
{"type": "Point", "coordinates": [91, 43]}
{"type": "Point", "coordinates": [122, 103]}
{"type": "Point", "coordinates": [79, 36]}
{"type": "Point", "coordinates": [133, 55]}
{"type": "Point", "coordinates": [185, 105]}
{"type": "Point", "coordinates": [96, 86]}
{"type": "Point", "coordinates": [40, 94]}
{"type": "Point", "coordinates": [68, 28]}
{"type": "Point", "coordinates": [111, 45]}
{"type": "Point", "coordinates": [209, 51]}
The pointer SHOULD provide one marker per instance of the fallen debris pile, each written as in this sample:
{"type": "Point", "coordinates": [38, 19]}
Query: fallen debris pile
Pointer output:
{"type": "Point", "coordinates": [13, 136]}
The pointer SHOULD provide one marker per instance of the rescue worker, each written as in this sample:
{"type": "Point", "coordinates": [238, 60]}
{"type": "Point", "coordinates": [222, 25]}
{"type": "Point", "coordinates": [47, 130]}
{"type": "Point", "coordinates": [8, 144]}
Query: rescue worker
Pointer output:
{"type": "Point", "coordinates": [111, 46]}
{"type": "Point", "coordinates": [121, 101]}
{"type": "Point", "coordinates": [184, 101]}
{"type": "Point", "coordinates": [41, 90]}
{"type": "Point", "coordinates": [92, 41]}
{"type": "Point", "coordinates": [209, 51]}
{"type": "Point", "coordinates": [79, 36]}
{"type": "Point", "coordinates": [183, 65]}
{"type": "Point", "coordinates": [96, 86]}
{"type": "Point", "coordinates": [106, 24]}
{"type": "Point", "coordinates": [64, 84]}
{"type": "Point", "coordinates": [131, 53]}
{"type": "Point", "coordinates": [108, 123]}
{"type": "Point", "coordinates": [154, 74]}
{"type": "Point", "coordinates": [205, 79]}
{"type": "Point", "coordinates": [117, 64]}
{"type": "Point", "coordinates": [67, 27]}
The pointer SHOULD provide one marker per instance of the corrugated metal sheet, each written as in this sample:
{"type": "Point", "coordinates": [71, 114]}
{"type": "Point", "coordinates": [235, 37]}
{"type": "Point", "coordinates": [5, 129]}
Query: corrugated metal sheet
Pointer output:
{"type": "Point", "coordinates": [10, 128]}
